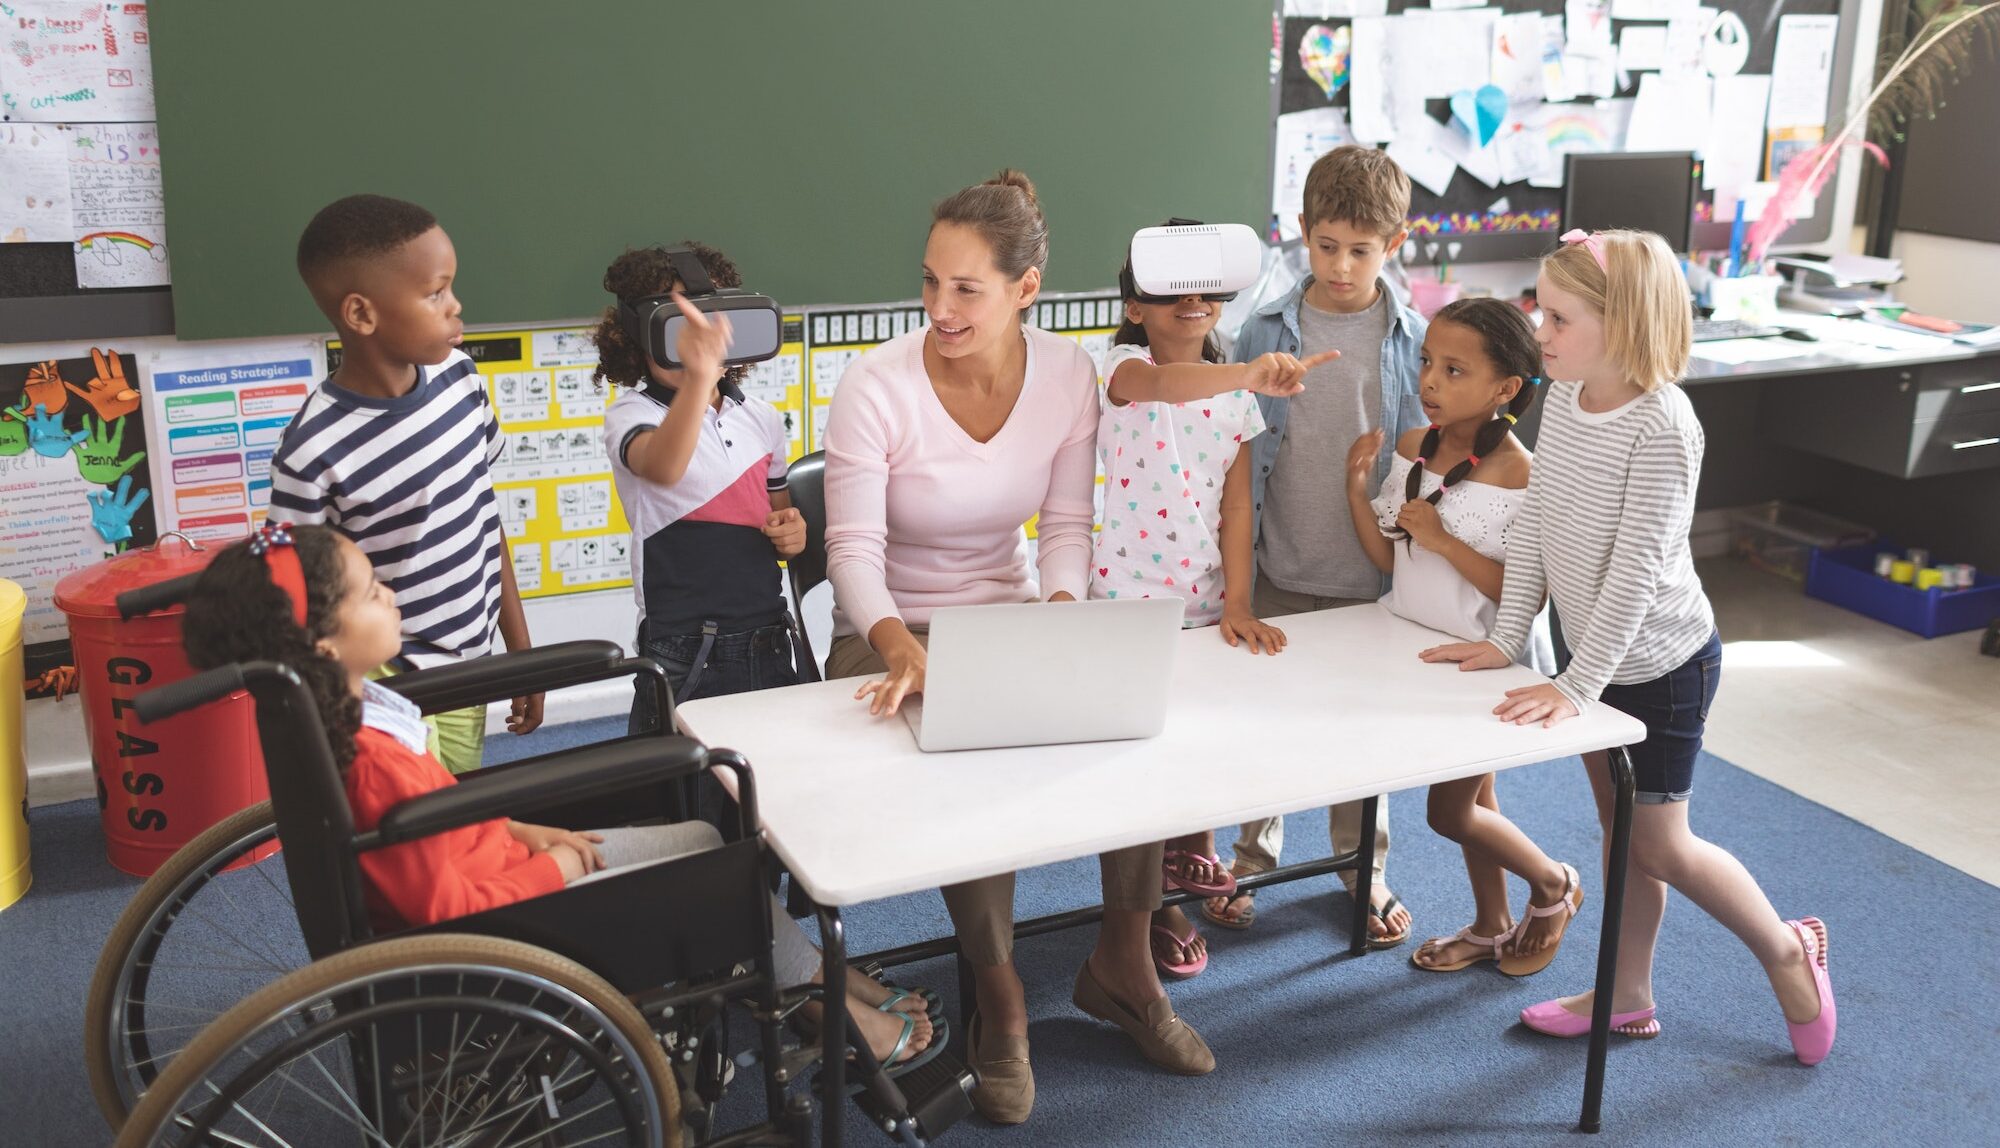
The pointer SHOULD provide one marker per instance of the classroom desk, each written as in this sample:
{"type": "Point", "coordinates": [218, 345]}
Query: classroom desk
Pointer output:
{"type": "Point", "coordinates": [1903, 404]}
{"type": "Point", "coordinates": [1347, 712]}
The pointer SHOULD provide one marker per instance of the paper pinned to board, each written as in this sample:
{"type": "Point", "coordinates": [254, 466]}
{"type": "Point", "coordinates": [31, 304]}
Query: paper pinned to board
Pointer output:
{"type": "Point", "coordinates": [1595, 127]}
{"type": "Point", "coordinates": [1802, 71]}
{"type": "Point", "coordinates": [1687, 34]}
{"type": "Point", "coordinates": [1557, 86]}
{"type": "Point", "coordinates": [1302, 138]}
{"type": "Point", "coordinates": [1517, 57]}
{"type": "Point", "coordinates": [119, 207]}
{"type": "Point", "coordinates": [1478, 162]}
{"type": "Point", "coordinates": [1457, 49]}
{"type": "Point", "coordinates": [1670, 113]}
{"type": "Point", "coordinates": [1642, 47]}
{"type": "Point", "coordinates": [34, 184]}
{"type": "Point", "coordinates": [1734, 153]}
{"type": "Point", "coordinates": [1328, 9]}
{"type": "Point", "coordinates": [1418, 155]}
{"type": "Point", "coordinates": [1588, 23]}
{"type": "Point", "coordinates": [76, 61]}
{"type": "Point", "coordinates": [1386, 79]}
{"type": "Point", "coordinates": [1658, 10]}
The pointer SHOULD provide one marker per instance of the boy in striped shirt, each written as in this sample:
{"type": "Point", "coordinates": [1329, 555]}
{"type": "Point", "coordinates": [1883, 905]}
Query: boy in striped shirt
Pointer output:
{"type": "Point", "coordinates": [393, 448]}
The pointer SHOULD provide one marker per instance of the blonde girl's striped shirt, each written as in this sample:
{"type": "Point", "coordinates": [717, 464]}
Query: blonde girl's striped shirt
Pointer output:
{"type": "Point", "coordinates": [1605, 534]}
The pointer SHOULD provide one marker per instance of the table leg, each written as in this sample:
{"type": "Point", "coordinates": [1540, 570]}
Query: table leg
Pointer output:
{"type": "Point", "coordinates": [1616, 859]}
{"type": "Point", "coordinates": [968, 1002]}
{"type": "Point", "coordinates": [832, 1027]}
{"type": "Point", "coordinates": [1364, 877]}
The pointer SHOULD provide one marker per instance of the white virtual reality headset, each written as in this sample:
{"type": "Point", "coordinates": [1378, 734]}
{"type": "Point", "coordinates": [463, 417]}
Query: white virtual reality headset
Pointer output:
{"type": "Point", "coordinates": [1212, 260]}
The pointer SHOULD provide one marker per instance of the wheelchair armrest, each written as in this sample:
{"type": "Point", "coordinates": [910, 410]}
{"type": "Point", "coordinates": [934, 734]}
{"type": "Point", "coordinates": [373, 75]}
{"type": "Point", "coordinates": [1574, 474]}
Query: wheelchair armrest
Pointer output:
{"type": "Point", "coordinates": [594, 771]}
{"type": "Point", "coordinates": [499, 677]}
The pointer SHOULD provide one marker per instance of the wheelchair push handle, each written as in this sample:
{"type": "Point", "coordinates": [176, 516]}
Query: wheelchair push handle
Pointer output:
{"type": "Point", "coordinates": [188, 693]}
{"type": "Point", "coordinates": [157, 596]}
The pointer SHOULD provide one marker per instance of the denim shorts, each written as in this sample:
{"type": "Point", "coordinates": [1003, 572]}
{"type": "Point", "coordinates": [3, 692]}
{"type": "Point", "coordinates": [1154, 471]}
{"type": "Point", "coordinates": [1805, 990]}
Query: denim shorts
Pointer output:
{"type": "Point", "coordinates": [737, 663]}
{"type": "Point", "coordinates": [1674, 709]}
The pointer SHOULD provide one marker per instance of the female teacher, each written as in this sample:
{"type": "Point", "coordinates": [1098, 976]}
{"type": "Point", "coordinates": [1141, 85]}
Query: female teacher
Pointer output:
{"type": "Point", "coordinates": [940, 444]}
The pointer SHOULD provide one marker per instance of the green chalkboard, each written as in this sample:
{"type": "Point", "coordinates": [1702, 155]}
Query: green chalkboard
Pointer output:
{"type": "Point", "coordinates": [808, 140]}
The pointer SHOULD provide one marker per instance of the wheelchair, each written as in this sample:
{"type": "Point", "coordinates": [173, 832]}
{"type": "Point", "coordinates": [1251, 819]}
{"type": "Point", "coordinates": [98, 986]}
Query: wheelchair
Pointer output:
{"type": "Point", "coordinates": [584, 1016]}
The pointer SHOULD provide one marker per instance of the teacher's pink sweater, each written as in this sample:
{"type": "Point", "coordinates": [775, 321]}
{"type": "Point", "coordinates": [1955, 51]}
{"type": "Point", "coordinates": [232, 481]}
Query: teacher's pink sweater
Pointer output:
{"type": "Point", "coordinates": [919, 515]}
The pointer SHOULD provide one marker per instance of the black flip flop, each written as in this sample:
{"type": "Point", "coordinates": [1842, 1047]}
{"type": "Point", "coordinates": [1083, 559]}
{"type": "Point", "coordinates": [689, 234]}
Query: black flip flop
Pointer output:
{"type": "Point", "coordinates": [1388, 940]}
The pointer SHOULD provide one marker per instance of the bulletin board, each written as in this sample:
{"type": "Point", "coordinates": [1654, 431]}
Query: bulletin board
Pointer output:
{"type": "Point", "coordinates": [74, 485]}
{"type": "Point", "coordinates": [1493, 216]}
{"type": "Point", "coordinates": [564, 527]}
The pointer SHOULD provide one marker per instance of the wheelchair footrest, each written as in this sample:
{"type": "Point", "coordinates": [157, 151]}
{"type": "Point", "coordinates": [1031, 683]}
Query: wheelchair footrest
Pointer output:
{"type": "Point", "coordinates": [939, 1094]}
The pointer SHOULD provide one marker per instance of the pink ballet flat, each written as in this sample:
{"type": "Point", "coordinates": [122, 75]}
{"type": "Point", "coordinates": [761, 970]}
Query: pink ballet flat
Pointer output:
{"type": "Point", "coordinates": [1812, 1040]}
{"type": "Point", "coordinates": [1552, 1019]}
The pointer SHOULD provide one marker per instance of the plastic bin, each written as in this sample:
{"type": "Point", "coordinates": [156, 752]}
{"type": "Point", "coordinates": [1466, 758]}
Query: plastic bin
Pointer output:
{"type": "Point", "coordinates": [1847, 578]}
{"type": "Point", "coordinates": [1781, 538]}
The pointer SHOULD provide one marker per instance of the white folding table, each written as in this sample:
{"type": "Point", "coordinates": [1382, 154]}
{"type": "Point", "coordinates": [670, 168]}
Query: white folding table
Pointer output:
{"type": "Point", "coordinates": [1346, 712]}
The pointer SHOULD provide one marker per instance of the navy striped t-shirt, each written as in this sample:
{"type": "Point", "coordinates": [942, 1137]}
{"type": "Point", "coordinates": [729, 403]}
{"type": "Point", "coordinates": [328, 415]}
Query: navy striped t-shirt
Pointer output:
{"type": "Point", "coordinates": [407, 479]}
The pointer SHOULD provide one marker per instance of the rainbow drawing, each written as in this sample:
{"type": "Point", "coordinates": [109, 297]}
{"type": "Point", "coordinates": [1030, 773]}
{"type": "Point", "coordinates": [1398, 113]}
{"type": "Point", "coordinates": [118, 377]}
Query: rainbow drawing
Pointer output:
{"type": "Point", "coordinates": [97, 238]}
{"type": "Point", "coordinates": [1576, 132]}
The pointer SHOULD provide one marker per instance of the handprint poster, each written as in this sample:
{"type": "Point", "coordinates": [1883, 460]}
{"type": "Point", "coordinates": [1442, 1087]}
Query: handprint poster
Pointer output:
{"type": "Point", "coordinates": [74, 485]}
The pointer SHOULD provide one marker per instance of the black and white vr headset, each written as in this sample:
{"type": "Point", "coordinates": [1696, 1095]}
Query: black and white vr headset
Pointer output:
{"type": "Point", "coordinates": [654, 322]}
{"type": "Point", "coordinates": [1212, 260]}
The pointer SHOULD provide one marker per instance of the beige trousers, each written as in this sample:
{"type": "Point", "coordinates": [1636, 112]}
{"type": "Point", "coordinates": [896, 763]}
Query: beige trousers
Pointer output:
{"type": "Point", "coordinates": [982, 911]}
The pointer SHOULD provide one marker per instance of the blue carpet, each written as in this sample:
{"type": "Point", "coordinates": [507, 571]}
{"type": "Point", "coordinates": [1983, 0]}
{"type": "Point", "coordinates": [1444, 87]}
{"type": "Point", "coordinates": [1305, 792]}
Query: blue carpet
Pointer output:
{"type": "Point", "coordinates": [1315, 1047]}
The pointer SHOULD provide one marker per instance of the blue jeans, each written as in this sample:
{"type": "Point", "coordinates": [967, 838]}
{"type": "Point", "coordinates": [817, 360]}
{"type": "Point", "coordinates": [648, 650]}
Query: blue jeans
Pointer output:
{"type": "Point", "coordinates": [736, 663]}
{"type": "Point", "coordinates": [1674, 708]}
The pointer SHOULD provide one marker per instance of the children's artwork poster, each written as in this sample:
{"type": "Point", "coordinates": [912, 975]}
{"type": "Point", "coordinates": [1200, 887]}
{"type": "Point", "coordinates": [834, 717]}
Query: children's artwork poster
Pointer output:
{"type": "Point", "coordinates": [118, 205]}
{"type": "Point", "coordinates": [34, 184]}
{"type": "Point", "coordinates": [74, 486]}
{"type": "Point", "coordinates": [217, 412]}
{"type": "Point", "coordinates": [75, 61]}
{"type": "Point", "coordinates": [565, 529]}
{"type": "Point", "coordinates": [781, 381]}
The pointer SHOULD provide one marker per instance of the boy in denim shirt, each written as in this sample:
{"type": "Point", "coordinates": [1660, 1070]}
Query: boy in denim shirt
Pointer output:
{"type": "Point", "coordinates": [1356, 200]}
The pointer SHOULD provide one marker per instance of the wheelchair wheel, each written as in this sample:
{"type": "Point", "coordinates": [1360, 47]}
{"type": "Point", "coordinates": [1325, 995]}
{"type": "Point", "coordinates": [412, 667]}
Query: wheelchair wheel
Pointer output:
{"type": "Point", "coordinates": [448, 1039]}
{"type": "Point", "coordinates": [193, 941]}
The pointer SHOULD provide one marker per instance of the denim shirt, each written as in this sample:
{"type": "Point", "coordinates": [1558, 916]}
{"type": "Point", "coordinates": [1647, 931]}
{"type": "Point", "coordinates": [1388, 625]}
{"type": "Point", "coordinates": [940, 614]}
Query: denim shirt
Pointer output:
{"type": "Point", "coordinates": [1275, 327]}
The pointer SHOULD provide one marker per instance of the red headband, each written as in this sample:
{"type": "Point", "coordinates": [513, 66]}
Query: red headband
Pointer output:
{"type": "Point", "coordinates": [273, 542]}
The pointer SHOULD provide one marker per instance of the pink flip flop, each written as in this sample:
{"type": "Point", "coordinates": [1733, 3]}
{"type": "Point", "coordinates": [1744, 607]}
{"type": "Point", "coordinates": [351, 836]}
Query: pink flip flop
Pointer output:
{"type": "Point", "coordinates": [1552, 1019]}
{"type": "Point", "coordinates": [1812, 1040]}
{"type": "Point", "coordinates": [1186, 968]}
{"type": "Point", "coordinates": [1170, 880]}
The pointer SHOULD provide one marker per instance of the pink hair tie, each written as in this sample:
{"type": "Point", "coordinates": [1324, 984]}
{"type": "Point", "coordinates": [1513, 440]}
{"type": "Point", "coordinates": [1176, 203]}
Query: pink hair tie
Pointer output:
{"type": "Point", "coordinates": [1591, 243]}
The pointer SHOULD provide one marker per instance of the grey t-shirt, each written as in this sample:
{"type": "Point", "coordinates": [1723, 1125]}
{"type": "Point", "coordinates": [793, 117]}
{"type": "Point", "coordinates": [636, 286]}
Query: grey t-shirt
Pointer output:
{"type": "Point", "coordinates": [1307, 544]}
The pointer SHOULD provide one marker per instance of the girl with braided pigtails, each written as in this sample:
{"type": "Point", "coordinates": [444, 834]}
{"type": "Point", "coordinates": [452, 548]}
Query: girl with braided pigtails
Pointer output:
{"type": "Point", "coordinates": [1439, 525]}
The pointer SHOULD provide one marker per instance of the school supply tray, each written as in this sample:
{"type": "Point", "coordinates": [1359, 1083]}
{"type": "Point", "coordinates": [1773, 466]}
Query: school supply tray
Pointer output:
{"type": "Point", "coordinates": [1780, 538]}
{"type": "Point", "coordinates": [1846, 577]}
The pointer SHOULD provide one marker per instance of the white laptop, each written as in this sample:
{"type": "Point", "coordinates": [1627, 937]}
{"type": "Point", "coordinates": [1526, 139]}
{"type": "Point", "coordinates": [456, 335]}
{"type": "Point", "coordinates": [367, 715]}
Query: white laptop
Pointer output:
{"type": "Point", "coordinates": [1046, 673]}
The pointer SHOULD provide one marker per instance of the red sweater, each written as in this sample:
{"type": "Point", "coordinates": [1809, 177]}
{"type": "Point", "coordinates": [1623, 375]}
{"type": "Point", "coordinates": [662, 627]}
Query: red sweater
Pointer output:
{"type": "Point", "coordinates": [449, 874]}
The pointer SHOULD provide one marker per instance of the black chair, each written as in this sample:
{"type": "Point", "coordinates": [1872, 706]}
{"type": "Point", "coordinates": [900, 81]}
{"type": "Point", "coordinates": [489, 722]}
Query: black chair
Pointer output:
{"type": "Point", "coordinates": [806, 481]}
{"type": "Point", "coordinates": [543, 1020]}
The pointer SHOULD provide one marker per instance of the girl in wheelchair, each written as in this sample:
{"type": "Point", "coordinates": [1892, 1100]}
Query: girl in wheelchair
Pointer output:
{"type": "Point", "coordinates": [307, 597]}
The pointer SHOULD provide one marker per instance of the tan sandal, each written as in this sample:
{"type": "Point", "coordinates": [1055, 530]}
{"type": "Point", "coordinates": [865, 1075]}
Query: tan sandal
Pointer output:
{"type": "Point", "coordinates": [1490, 944]}
{"type": "Point", "coordinates": [1515, 965]}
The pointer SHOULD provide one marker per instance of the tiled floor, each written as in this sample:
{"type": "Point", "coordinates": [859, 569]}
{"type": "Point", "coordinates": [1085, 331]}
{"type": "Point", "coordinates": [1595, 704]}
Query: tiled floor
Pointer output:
{"type": "Point", "coordinates": [1899, 733]}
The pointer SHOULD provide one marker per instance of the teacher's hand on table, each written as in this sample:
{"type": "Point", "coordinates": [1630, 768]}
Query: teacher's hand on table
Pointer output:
{"type": "Point", "coordinates": [1469, 655]}
{"type": "Point", "coordinates": [904, 656]}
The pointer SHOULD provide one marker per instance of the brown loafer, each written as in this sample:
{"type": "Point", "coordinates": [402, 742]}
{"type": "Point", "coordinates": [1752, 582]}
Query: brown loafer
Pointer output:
{"type": "Point", "coordinates": [1006, 1092]}
{"type": "Point", "coordinates": [1162, 1036]}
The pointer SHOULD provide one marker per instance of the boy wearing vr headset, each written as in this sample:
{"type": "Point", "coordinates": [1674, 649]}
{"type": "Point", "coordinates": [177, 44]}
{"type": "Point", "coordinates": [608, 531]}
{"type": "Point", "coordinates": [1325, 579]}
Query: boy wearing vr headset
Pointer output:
{"type": "Point", "coordinates": [700, 470]}
{"type": "Point", "coordinates": [394, 448]}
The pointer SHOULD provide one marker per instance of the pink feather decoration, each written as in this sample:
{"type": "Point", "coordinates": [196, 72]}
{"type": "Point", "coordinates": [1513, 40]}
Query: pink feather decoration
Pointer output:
{"type": "Point", "coordinates": [1807, 172]}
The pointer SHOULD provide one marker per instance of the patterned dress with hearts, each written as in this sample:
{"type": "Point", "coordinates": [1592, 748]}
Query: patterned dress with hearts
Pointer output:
{"type": "Point", "coordinates": [1164, 465]}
